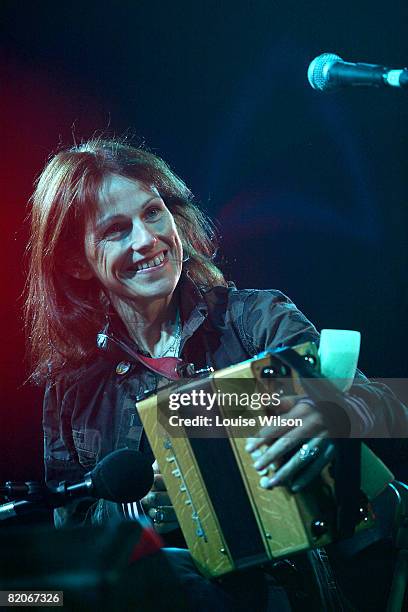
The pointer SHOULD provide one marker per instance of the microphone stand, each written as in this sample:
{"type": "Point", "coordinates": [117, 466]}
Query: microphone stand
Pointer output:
{"type": "Point", "coordinates": [41, 497]}
{"type": "Point", "coordinates": [16, 490]}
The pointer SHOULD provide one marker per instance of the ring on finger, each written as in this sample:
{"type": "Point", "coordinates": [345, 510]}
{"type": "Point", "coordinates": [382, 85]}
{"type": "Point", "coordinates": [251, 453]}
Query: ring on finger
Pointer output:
{"type": "Point", "coordinates": [306, 453]}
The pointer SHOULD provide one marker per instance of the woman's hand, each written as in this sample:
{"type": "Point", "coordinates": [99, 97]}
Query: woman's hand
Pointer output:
{"type": "Point", "coordinates": [273, 442]}
{"type": "Point", "coordinates": [158, 507]}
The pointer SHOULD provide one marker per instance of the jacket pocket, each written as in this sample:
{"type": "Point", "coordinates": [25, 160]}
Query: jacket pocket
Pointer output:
{"type": "Point", "coordinates": [88, 446]}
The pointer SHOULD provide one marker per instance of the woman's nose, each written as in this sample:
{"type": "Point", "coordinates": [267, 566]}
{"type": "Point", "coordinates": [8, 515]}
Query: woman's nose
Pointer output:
{"type": "Point", "coordinates": [142, 238]}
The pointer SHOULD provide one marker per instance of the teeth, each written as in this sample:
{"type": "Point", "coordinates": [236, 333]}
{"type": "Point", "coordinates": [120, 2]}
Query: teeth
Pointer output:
{"type": "Point", "coordinates": [156, 261]}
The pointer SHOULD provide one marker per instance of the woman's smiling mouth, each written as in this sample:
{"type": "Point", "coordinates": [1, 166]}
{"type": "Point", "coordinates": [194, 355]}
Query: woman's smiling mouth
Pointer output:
{"type": "Point", "coordinates": [147, 265]}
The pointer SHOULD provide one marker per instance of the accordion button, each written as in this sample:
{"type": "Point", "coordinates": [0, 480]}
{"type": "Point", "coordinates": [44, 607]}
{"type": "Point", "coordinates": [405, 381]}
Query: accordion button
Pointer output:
{"type": "Point", "coordinates": [319, 528]}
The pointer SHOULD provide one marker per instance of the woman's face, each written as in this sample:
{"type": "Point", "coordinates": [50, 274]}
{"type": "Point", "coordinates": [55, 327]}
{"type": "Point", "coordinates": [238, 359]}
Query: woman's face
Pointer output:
{"type": "Point", "coordinates": [132, 245]}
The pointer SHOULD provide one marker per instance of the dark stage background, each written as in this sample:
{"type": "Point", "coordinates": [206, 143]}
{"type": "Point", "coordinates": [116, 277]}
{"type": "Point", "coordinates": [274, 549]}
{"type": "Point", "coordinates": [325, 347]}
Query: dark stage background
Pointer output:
{"type": "Point", "coordinates": [309, 190]}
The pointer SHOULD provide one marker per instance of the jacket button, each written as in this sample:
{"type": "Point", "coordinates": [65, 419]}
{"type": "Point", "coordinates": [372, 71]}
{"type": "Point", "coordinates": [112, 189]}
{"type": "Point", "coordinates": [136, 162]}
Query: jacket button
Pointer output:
{"type": "Point", "coordinates": [123, 367]}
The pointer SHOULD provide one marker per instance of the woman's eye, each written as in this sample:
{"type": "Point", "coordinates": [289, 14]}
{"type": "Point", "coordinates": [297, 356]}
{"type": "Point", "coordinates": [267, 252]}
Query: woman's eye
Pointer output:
{"type": "Point", "coordinates": [114, 230]}
{"type": "Point", "coordinates": [153, 212]}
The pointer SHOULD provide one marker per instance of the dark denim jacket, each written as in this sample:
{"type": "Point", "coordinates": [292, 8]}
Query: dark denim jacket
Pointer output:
{"type": "Point", "coordinates": [93, 413]}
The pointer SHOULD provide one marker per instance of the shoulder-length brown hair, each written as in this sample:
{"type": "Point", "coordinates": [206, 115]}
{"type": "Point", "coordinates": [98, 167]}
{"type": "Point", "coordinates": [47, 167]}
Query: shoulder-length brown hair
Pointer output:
{"type": "Point", "coordinates": [62, 313]}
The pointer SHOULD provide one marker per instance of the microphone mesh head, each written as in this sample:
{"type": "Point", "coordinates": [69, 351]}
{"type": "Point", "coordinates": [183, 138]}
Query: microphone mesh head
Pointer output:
{"type": "Point", "coordinates": [122, 476]}
{"type": "Point", "coordinates": [318, 71]}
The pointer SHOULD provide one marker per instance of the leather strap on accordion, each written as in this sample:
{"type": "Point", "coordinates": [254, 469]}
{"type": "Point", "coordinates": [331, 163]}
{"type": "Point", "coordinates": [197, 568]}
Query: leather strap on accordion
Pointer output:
{"type": "Point", "coordinates": [347, 453]}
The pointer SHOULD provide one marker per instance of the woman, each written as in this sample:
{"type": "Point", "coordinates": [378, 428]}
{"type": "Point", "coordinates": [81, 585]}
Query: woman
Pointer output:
{"type": "Point", "coordinates": [119, 246]}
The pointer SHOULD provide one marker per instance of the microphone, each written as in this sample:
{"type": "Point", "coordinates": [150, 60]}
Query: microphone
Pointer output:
{"type": "Point", "coordinates": [328, 72]}
{"type": "Point", "coordinates": [122, 476]}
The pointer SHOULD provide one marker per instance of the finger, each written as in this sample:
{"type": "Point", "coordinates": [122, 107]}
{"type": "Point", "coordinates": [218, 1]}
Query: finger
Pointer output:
{"type": "Point", "coordinates": [288, 401]}
{"type": "Point", "coordinates": [308, 454]}
{"type": "Point", "coordinates": [267, 435]}
{"type": "Point", "coordinates": [156, 498]}
{"type": "Point", "coordinates": [253, 444]}
{"type": "Point", "coordinates": [158, 483]}
{"type": "Point", "coordinates": [274, 452]}
{"type": "Point", "coordinates": [314, 469]}
{"type": "Point", "coordinates": [304, 422]}
{"type": "Point", "coordinates": [162, 514]}
{"type": "Point", "coordinates": [303, 410]}
{"type": "Point", "coordinates": [311, 427]}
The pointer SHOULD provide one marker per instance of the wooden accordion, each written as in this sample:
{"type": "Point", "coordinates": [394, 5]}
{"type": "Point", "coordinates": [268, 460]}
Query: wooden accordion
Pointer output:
{"type": "Point", "coordinates": [228, 520]}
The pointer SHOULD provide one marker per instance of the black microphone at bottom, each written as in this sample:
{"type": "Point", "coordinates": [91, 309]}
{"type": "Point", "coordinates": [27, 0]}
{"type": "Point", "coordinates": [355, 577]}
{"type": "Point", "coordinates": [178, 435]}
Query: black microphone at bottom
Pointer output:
{"type": "Point", "coordinates": [122, 476]}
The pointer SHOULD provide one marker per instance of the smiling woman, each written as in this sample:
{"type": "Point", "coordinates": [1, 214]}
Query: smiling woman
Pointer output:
{"type": "Point", "coordinates": [123, 295]}
{"type": "Point", "coordinates": [133, 248]}
{"type": "Point", "coordinates": [102, 213]}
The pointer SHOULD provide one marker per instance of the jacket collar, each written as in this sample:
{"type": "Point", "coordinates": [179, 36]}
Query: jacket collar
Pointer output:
{"type": "Point", "coordinates": [196, 303]}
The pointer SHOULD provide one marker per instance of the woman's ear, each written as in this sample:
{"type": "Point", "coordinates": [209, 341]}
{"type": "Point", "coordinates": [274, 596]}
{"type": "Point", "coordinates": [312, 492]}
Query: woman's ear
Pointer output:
{"type": "Point", "coordinates": [79, 269]}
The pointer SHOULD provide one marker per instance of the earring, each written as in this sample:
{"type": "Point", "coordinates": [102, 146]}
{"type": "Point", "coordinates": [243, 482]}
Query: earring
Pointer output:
{"type": "Point", "coordinates": [106, 308]}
